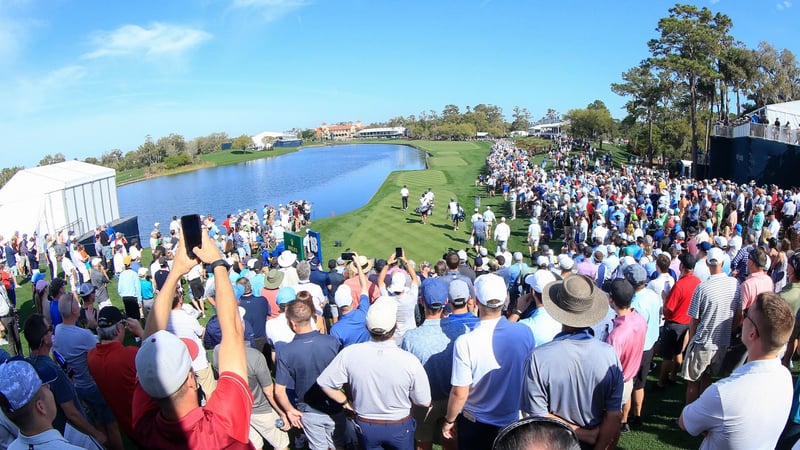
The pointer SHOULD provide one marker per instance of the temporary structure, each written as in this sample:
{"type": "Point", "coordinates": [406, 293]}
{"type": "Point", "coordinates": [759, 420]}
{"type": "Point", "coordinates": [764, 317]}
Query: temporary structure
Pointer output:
{"type": "Point", "coordinates": [72, 195]}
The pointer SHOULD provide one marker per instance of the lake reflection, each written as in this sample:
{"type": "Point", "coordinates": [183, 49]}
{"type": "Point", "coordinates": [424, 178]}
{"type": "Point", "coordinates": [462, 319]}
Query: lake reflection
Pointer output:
{"type": "Point", "coordinates": [335, 179]}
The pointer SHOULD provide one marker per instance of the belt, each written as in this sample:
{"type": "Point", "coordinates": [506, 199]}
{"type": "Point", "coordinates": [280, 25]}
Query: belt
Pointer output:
{"type": "Point", "coordinates": [385, 422]}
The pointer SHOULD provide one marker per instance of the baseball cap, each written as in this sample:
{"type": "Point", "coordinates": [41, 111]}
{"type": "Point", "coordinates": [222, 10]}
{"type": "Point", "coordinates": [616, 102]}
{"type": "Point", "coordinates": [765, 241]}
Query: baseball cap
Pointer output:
{"type": "Point", "coordinates": [542, 261]}
{"type": "Point", "coordinates": [491, 290]}
{"type": "Point", "coordinates": [458, 292]}
{"type": "Point", "coordinates": [343, 296]}
{"type": "Point", "coordinates": [286, 294]}
{"type": "Point", "coordinates": [565, 262]}
{"type": "Point", "coordinates": [382, 315]}
{"type": "Point", "coordinates": [398, 282]}
{"type": "Point", "coordinates": [20, 384]}
{"type": "Point", "coordinates": [539, 279]}
{"type": "Point", "coordinates": [142, 271]}
{"type": "Point", "coordinates": [635, 274]}
{"type": "Point", "coordinates": [109, 316]}
{"type": "Point", "coordinates": [162, 364]}
{"type": "Point", "coordinates": [462, 255]}
{"type": "Point", "coordinates": [484, 252]}
{"type": "Point", "coordinates": [721, 242]}
{"type": "Point", "coordinates": [517, 256]}
{"type": "Point", "coordinates": [715, 257]}
{"type": "Point", "coordinates": [85, 289]}
{"type": "Point", "coordinates": [434, 292]}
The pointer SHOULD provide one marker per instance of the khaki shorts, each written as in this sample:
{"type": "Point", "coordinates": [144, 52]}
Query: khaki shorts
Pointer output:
{"type": "Point", "coordinates": [205, 378]}
{"type": "Point", "coordinates": [698, 360]}
{"type": "Point", "coordinates": [627, 390]}
{"type": "Point", "coordinates": [429, 419]}
{"type": "Point", "coordinates": [262, 426]}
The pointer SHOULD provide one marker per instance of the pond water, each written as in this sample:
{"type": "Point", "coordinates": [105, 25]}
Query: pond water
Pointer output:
{"type": "Point", "coordinates": [335, 179]}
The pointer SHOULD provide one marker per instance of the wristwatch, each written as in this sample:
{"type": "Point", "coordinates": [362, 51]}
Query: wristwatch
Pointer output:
{"type": "Point", "coordinates": [219, 262]}
{"type": "Point", "coordinates": [517, 312]}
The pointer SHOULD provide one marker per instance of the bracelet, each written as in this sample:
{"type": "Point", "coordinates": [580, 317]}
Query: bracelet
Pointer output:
{"type": "Point", "coordinates": [344, 402]}
{"type": "Point", "coordinates": [219, 262]}
{"type": "Point", "coordinates": [517, 312]}
{"type": "Point", "coordinates": [449, 422]}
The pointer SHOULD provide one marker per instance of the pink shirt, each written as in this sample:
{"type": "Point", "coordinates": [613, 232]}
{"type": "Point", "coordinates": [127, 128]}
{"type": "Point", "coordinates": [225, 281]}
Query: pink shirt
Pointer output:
{"type": "Point", "coordinates": [755, 284]}
{"type": "Point", "coordinates": [627, 338]}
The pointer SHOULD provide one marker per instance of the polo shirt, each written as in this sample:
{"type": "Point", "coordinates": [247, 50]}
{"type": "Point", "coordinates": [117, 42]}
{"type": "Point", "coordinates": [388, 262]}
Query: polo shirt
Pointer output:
{"type": "Point", "coordinates": [648, 304]}
{"type": "Point", "coordinates": [302, 360]}
{"type": "Point", "coordinates": [256, 311]}
{"type": "Point", "coordinates": [492, 355]}
{"type": "Point", "coordinates": [575, 376]}
{"type": "Point", "coordinates": [351, 328]}
{"type": "Point", "coordinates": [714, 304]}
{"type": "Point", "coordinates": [272, 298]}
{"type": "Point", "coordinates": [677, 305]}
{"type": "Point", "coordinates": [63, 390]}
{"type": "Point", "coordinates": [185, 326]}
{"type": "Point", "coordinates": [755, 284]}
{"type": "Point", "coordinates": [468, 319]}
{"type": "Point", "coordinates": [258, 377]}
{"type": "Point", "coordinates": [384, 379]}
{"type": "Point", "coordinates": [791, 293]}
{"type": "Point", "coordinates": [46, 440]}
{"type": "Point", "coordinates": [543, 326]}
{"type": "Point", "coordinates": [355, 289]}
{"type": "Point", "coordinates": [746, 410]}
{"type": "Point", "coordinates": [628, 340]}
{"type": "Point", "coordinates": [128, 285]}
{"type": "Point", "coordinates": [224, 422]}
{"type": "Point", "coordinates": [432, 344]}
{"type": "Point", "coordinates": [113, 367]}
{"type": "Point", "coordinates": [73, 343]}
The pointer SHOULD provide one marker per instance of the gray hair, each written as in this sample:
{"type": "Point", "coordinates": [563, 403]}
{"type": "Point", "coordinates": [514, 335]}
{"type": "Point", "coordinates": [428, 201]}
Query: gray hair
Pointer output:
{"type": "Point", "coordinates": [303, 270]}
{"type": "Point", "coordinates": [65, 303]}
{"type": "Point", "coordinates": [108, 333]}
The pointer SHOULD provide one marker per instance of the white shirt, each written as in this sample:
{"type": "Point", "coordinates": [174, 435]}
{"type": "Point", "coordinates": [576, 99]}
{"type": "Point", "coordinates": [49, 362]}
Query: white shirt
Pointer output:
{"type": "Point", "coordinates": [315, 291]}
{"type": "Point", "coordinates": [404, 192]}
{"type": "Point", "coordinates": [183, 325]}
{"type": "Point", "coordinates": [488, 216]}
{"type": "Point", "coordinates": [747, 410]}
{"type": "Point", "coordinates": [502, 232]}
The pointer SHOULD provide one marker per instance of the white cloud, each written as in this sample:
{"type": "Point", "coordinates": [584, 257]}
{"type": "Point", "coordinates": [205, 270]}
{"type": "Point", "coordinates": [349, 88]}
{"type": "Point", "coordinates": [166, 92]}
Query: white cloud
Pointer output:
{"type": "Point", "coordinates": [270, 9]}
{"type": "Point", "coordinates": [785, 4]}
{"type": "Point", "coordinates": [157, 40]}
{"type": "Point", "coordinates": [36, 94]}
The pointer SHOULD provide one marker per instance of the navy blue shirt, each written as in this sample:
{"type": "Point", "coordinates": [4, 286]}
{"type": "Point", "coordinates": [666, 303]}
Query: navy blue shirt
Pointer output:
{"type": "Point", "coordinates": [302, 360]}
{"type": "Point", "coordinates": [256, 312]}
{"type": "Point", "coordinates": [321, 279]}
{"type": "Point", "coordinates": [213, 334]}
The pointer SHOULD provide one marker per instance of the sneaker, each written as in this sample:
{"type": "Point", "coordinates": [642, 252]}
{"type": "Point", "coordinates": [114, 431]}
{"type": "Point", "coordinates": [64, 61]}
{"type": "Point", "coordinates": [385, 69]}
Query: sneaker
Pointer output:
{"type": "Point", "coordinates": [625, 428]}
{"type": "Point", "coordinates": [635, 421]}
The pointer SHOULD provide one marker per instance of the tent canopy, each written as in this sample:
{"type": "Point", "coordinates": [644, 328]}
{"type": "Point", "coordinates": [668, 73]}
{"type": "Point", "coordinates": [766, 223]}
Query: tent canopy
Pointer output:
{"type": "Point", "coordinates": [47, 199]}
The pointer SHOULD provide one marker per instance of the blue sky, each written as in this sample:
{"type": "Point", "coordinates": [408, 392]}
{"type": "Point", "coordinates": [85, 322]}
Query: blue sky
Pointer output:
{"type": "Point", "coordinates": [85, 77]}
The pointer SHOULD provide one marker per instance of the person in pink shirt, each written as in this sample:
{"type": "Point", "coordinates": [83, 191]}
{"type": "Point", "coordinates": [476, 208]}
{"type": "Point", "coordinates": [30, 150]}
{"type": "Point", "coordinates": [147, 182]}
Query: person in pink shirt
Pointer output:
{"type": "Point", "coordinates": [627, 338]}
{"type": "Point", "coordinates": [759, 280]}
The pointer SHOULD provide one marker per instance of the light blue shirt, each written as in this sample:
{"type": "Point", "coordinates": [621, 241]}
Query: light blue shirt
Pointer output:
{"type": "Point", "coordinates": [543, 326]}
{"type": "Point", "coordinates": [431, 343]}
{"type": "Point", "coordinates": [647, 303]}
{"type": "Point", "coordinates": [128, 285]}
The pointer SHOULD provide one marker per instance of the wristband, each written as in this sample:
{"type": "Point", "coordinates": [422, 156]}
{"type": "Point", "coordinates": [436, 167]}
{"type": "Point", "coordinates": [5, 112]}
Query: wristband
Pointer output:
{"type": "Point", "coordinates": [344, 402]}
{"type": "Point", "coordinates": [517, 312]}
{"type": "Point", "coordinates": [219, 262]}
{"type": "Point", "coordinates": [449, 422]}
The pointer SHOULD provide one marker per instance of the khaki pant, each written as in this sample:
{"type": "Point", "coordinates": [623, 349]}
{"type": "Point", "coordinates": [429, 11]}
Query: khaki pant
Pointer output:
{"type": "Point", "coordinates": [205, 378]}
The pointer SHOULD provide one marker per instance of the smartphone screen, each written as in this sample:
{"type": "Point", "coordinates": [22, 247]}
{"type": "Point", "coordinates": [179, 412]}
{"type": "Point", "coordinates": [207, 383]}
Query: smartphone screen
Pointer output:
{"type": "Point", "coordinates": [347, 256]}
{"type": "Point", "coordinates": [192, 233]}
{"type": "Point", "coordinates": [398, 252]}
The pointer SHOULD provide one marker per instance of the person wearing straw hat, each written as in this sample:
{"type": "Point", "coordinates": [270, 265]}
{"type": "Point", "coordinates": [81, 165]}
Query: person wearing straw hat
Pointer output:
{"type": "Point", "coordinates": [576, 376]}
{"type": "Point", "coordinates": [492, 355]}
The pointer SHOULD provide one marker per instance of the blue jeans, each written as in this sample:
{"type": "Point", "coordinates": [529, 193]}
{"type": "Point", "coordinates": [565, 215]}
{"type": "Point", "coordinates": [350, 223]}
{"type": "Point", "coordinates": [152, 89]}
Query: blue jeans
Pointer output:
{"type": "Point", "coordinates": [395, 436]}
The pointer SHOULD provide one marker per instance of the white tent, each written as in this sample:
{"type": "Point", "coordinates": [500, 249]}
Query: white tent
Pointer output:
{"type": "Point", "coordinates": [72, 195]}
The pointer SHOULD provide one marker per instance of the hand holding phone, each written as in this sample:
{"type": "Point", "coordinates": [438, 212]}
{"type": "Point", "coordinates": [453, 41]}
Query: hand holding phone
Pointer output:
{"type": "Point", "coordinates": [192, 233]}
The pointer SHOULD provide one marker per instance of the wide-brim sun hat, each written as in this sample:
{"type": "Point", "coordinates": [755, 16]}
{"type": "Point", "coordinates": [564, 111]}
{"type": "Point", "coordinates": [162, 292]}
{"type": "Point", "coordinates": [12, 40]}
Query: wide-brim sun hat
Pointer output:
{"type": "Point", "coordinates": [286, 258]}
{"type": "Point", "coordinates": [364, 262]}
{"type": "Point", "coordinates": [575, 301]}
